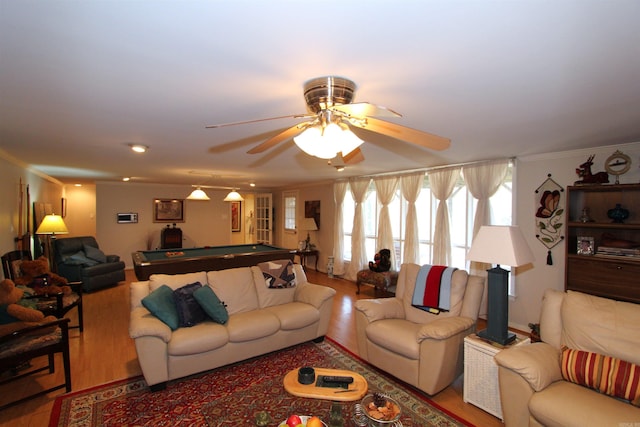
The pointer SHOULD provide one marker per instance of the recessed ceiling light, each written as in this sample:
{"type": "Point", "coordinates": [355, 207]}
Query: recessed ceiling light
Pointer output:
{"type": "Point", "coordinates": [139, 148]}
{"type": "Point", "coordinates": [252, 184]}
{"type": "Point", "coordinates": [339, 168]}
{"type": "Point", "coordinates": [126, 179]}
{"type": "Point", "coordinates": [78, 185]}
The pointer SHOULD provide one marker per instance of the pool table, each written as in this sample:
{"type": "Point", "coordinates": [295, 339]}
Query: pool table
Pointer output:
{"type": "Point", "coordinates": [191, 260]}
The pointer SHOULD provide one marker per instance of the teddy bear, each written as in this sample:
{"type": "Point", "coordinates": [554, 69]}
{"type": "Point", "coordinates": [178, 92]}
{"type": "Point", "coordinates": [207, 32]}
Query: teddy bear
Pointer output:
{"type": "Point", "coordinates": [381, 261]}
{"type": "Point", "coordinates": [14, 309]}
{"type": "Point", "coordinates": [37, 275]}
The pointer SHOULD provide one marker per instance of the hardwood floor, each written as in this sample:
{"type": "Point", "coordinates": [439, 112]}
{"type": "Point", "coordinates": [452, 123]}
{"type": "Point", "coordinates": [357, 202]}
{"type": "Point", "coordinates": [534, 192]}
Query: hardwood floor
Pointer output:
{"type": "Point", "coordinates": [104, 352]}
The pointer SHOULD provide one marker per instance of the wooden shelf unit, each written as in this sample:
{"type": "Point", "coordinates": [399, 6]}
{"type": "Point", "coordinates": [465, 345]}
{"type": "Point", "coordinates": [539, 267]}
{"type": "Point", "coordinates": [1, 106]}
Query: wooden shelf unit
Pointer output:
{"type": "Point", "coordinates": [607, 276]}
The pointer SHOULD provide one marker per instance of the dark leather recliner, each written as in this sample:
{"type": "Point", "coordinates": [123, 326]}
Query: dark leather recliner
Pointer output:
{"type": "Point", "coordinates": [79, 259]}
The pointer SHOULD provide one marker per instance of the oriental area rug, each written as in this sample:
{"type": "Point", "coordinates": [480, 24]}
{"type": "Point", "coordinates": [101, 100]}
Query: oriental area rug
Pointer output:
{"type": "Point", "coordinates": [234, 394]}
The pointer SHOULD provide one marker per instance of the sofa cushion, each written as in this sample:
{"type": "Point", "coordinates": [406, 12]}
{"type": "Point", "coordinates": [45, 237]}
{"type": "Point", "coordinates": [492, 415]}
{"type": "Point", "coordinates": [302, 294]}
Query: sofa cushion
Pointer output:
{"type": "Point", "coordinates": [161, 304]}
{"type": "Point", "coordinates": [94, 253]}
{"type": "Point", "coordinates": [211, 304]}
{"type": "Point", "coordinates": [295, 315]}
{"type": "Point", "coordinates": [251, 325]}
{"type": "Point", "coordinates": [605, 374]}
{"type": "Point", "coordinates": [203, 337]}
{"type": "Point", "coordinates": [567, 404]}
{"type": "Point", "coordinates": [601, 325]}
{"type": "Point", "coordinates": [189, 311]}
{"type": "Point", "coordinates": [268, 297]}
{"type": "Point", "coordinates": [79, 258]}
{"type": "Point", "coordinates": [396, 335]}
{"type": "Point", "coordinates": [175, 281]}
{"type": "Point", "coordinates": [236, 287]}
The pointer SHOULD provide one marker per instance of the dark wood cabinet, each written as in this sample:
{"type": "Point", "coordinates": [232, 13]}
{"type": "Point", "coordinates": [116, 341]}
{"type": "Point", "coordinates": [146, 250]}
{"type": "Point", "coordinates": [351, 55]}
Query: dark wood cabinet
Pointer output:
{"type": "Point", "coordinates": [588, 268]}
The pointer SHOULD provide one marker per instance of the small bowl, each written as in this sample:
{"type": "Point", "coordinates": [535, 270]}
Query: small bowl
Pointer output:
{"type": "Point", "coordinates": [376, 422]}
{"type": "Point", "coordinates": [306, 375]}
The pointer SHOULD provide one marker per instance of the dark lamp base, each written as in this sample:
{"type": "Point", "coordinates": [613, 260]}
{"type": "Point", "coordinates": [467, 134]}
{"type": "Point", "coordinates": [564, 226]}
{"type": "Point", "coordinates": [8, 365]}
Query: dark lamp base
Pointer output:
{"type": "Point", "coordinates": [511, 337]}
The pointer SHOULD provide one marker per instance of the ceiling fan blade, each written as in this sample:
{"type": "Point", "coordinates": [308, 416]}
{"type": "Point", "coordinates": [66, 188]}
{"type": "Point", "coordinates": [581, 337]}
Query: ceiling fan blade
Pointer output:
{"type": "Point", "coordinates": [292, 116]}
{"type": "Point", "coordinates": [355, 156]}
{"type": "Point", "coordinates": [364, 109]}
{"type": "Point", "coordinates": [404, 133]}
{"type": "Point", "coordinates": [282, 136]}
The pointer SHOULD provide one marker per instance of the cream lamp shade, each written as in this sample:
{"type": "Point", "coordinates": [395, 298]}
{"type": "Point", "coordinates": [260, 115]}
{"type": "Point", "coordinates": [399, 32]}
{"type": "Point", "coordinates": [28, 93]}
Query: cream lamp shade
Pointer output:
{"type": "Point", "coordinates": [498, 244]}
{"type": "Point", "coordinates": [198, 194]}
{"type": "Point", "coordinates": [52, 224]}
{"type": "Point", "coordinates": [233, 196]}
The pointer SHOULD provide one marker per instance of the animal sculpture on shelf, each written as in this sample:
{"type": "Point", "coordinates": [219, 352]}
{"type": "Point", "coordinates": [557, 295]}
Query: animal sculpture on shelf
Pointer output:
{"type": "Point", "coordinates": [584, 172]}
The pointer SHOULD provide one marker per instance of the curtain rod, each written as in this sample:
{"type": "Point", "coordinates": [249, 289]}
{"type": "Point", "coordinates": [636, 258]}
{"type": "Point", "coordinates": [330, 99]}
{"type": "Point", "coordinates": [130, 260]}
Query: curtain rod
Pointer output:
{"type": "Point", "coordinates": [412, 171]}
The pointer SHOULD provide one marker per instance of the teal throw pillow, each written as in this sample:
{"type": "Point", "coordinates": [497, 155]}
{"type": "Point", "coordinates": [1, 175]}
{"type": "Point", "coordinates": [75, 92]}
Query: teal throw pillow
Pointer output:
{"type": "Point", "coordinates": [161, 304]}
{"type": "Point", "coordinates": [189, 311]}
{"type": "Point", "coordinates": [211, 304]}
{"type": "Point", "coordinates": [95, 254]}
{"type": "Point", "coordinates": [79, 258]}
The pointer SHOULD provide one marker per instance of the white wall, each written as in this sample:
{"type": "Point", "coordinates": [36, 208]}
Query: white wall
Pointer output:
{"type": "Point", "coordinates": [531, 172]}
{"type": "Point", "coordinates": [41, 189]}
{"type": "Point", "coordinates": [81, 210]}
{"type": "Point", "coordinates": [206, 222]}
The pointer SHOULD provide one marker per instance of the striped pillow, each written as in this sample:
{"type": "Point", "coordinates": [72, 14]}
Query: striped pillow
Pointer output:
{"type": "Point", "coordinates": [605, 374]}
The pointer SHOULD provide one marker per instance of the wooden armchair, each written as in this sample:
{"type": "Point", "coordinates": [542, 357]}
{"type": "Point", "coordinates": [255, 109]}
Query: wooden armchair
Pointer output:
{"type": "Point", "coordinates": [27, 342]}
{"type": "Point", "coordinates": [57, 305]}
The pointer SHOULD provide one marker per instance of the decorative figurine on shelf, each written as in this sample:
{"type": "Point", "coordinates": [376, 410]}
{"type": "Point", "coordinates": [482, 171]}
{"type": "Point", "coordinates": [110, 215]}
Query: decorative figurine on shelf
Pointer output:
{"type": "Point", "coordinates": [381, 261]}
{"type": "Point", "coordinates": [584, 172]}
{"type": "Point", "coordinates": [618, 214]}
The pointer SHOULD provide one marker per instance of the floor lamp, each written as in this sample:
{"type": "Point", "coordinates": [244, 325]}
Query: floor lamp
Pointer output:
{"type": "Point", "coordinates": [499, 245]}
{"type": "Point", "coordinates": [50, 226]}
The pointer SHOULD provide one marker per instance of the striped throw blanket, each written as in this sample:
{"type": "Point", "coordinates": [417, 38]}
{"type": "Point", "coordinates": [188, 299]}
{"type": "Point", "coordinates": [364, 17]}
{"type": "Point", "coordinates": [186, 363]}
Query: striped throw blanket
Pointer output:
{"type": "Point", "coordinates": [433, 288]}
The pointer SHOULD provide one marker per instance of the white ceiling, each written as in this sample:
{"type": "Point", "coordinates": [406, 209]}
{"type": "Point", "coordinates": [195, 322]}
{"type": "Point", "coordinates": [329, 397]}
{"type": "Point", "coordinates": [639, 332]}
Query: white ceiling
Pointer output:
{"type": "Point", "coordinates": [79, 80]}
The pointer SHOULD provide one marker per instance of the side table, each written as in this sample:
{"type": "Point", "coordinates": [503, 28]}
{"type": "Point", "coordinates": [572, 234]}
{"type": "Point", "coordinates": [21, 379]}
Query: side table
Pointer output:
{"type": "Point", "coordinates": [307, 253]}
{"type": "Point", "coordinates": [481, 387]}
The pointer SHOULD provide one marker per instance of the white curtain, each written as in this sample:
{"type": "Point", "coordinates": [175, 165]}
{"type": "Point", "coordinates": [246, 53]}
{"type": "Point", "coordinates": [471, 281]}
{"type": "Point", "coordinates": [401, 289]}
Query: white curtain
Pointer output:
{"type": "Point", "coordinates": [359, 189]}
{"type": "Point", "coordinates": [442, 185]}
{"type": "Point", "coordinates": [339, 191]}
{"type": "Point", "coordinates": [483, 180]}
{"type": "Point", "coordinates": [386, 190]}
{"type": "Point", "coordinates": [411, 186]}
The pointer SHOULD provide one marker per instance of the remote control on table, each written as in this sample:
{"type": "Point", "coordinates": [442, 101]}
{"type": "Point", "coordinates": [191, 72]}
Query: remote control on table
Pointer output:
{"type": "Point", "coordinates": [337, 379]}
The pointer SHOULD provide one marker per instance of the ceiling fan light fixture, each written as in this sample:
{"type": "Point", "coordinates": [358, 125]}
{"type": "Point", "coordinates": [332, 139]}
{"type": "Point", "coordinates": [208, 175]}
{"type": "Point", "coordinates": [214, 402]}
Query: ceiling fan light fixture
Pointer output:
{"type": "Point", "coordinates": [328, 142]}
{"type": "Point", "coordinates": [198, 194]}
{"type": "Point", "coordinates": [233, 196]}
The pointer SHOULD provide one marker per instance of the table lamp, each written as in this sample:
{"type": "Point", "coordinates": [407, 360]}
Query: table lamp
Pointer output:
{"type": "Point", "coordinates": [506, 245]}
{"type": "Point", "coordinates": [50, 226]}
{"type": "Point", "coordinates": [309, 224]}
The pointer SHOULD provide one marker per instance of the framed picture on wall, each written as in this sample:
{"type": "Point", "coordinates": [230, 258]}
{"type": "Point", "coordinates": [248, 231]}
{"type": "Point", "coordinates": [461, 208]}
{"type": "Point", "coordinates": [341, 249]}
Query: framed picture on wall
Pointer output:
{"type": "Point", "coordinates": [236, 211]}
{"type": "Point", "coordinates": [312, 210]}
{"type": "Point", "coordinates": [168, 210]}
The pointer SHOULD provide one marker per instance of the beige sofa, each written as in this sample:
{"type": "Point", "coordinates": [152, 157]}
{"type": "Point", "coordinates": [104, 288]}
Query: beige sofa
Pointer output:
{"type": "Point", "coordinates": [420, 348]}
{"type": "Point", "coordinates": [532, 389]}
{"type": "Point", "coordinates": [261, 320]}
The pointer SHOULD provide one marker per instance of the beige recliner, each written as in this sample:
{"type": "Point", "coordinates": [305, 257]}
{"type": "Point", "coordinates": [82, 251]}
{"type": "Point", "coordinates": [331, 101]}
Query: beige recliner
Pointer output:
{"type": "Point", "coordinates": [533, 390]}
{"type": "Point", "coordinates": [420, 348]}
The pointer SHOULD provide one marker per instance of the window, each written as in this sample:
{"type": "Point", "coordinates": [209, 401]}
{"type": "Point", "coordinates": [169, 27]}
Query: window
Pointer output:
{"type": "Point", "coordinates": [290, 199]}
{"type": "Point", "coordinates": [462, 208]}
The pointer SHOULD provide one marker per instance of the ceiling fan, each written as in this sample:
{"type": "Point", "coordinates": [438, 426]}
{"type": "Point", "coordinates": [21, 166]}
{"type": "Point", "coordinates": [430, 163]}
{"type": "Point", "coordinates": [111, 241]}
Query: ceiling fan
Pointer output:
{"type": "Point", "coordinates": [326, 132]}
